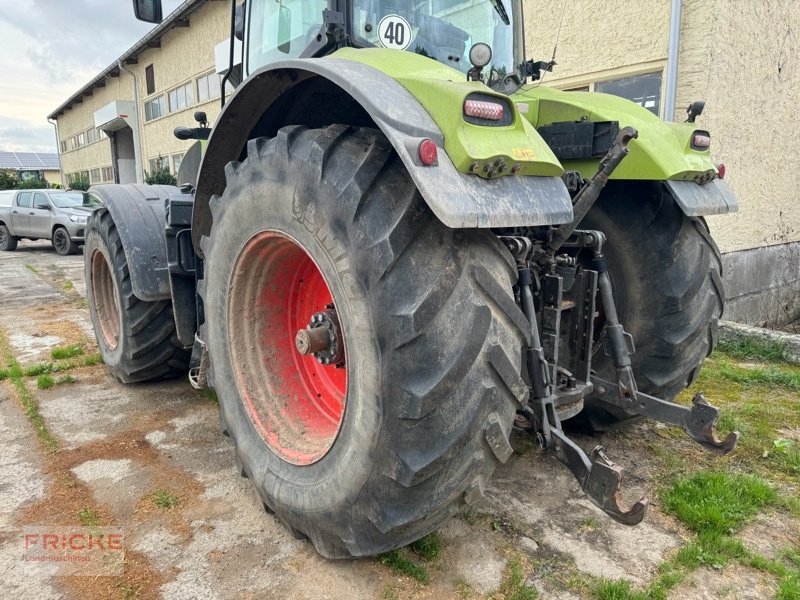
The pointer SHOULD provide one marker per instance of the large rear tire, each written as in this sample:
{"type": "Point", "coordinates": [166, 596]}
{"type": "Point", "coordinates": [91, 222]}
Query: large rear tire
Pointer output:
{"type": "Point", "coordinates": [666, 272]}
{"type": "Point", "coordinates": [137, 339]}
{"type": "Point", "coordinates": [375, 457]}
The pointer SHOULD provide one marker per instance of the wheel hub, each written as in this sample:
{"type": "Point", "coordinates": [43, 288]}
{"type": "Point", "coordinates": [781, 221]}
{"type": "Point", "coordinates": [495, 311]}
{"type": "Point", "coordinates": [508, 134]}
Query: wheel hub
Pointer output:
{"type": "Point", "coordinates": [322, 338]}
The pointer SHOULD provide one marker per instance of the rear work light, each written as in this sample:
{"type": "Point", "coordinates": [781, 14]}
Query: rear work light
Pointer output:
{"type": "Point", "coordinates": [482, 109]}
{"type": "Point", "coordinates": [701, 140]}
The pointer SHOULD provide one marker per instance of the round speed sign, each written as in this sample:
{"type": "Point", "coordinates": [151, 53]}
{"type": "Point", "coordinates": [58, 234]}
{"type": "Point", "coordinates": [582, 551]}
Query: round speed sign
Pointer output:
{"type": "Point", "coordinates": [394, 32]}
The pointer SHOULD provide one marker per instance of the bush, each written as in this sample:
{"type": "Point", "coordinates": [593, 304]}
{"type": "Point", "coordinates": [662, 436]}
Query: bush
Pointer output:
{"type": "Point", "coordinates": [160, 177]}
{"type": "Point", "coordinates": [80, 184]}
{"type": "Point", "coordinates": [33, 184]}
{"type": "Point", "coordinates": [8, 181]}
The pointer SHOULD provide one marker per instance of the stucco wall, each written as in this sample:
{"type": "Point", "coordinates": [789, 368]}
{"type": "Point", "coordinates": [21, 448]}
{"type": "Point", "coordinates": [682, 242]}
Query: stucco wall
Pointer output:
{"type": "Point", "coordinates": [185, 54]}
{"type": "Point", "coordinates": [752, 97]}
{"type": "Point", "coordinates": [597, 36]}
{"type": "Point", "coordinates": [81, 117]}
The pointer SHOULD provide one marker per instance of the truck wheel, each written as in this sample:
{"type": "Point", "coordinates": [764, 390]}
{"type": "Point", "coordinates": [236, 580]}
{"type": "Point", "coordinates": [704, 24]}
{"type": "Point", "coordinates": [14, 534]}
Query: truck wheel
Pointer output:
{"type": "Point", "coordinates": [7, 241]}
{"type": "Point", "coordinates": [666, 272]}
{"type": "Point", "coordinates": [137, 339]}
{"type": "Point", "coordinates": [63, 243]}
{"type": "Point", "coordinates": [405, 409]}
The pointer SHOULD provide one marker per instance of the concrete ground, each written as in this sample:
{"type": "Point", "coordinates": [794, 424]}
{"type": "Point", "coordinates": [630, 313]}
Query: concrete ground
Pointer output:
{"type": "Point", "coordinates": [118, 445]}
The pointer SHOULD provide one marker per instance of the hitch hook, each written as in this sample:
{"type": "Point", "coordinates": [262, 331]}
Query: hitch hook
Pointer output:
{"type": "Point", "coordinates": [702, 427]}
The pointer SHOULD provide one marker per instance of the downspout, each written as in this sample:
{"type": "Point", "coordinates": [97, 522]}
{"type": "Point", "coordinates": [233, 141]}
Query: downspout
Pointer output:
{"type": "Point", "coordinates": [671, 91]}
{"type": "Point", "coordinates": [137, 143]}
{"type": "Point", "coordinates": [58, 147]}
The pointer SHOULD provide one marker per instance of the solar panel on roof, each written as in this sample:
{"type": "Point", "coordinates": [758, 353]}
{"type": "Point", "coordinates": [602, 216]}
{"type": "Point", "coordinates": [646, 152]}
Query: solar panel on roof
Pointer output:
{"type": "Point", "coordinates": [29, 161]}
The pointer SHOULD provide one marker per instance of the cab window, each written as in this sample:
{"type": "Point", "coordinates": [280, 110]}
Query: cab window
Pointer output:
{"type": "Point", "coordinates": [40, 201]}
{"type": "Point", "coordinates": [281, 30]}
{"type": "Point", "coordinates": [25, 199]}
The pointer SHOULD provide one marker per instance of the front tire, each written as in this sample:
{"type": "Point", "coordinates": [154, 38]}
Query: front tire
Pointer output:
{"type": "Point", "coordinates": [666, 272]}
{"type": "Point", "coordinates": [432, 340]}
{"type": "Point", "coordinates": [62, 242]}
{"type": "Point", "coordinates": [137, 339]}
{"type": "Point", "coordinates": [7, 241]}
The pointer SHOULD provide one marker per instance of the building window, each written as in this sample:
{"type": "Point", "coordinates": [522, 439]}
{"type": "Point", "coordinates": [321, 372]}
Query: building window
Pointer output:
{"type": "Point", "coordinates": [95, 176]}
{"type": "Point", "coordinates": [63, 146]}
{"type": "Point", "coordinates": [108, 174]}
{"type": "Point", "coordinates": [644, 90]}
{"type": "Point", "coordinates": [176, 162]}
{"type": "Point", "coordinates": [180, 98]}
{"type": "Point", "coordinates": [158, 164]}
{"type": "Point", "coordinates": [80, 140]}
{"type": "Point", "coordinates": [154, 108]}
{"type": "Point", "coordinates": [208, 87]}
{"type": "Point", "coordinates": [150, 79]}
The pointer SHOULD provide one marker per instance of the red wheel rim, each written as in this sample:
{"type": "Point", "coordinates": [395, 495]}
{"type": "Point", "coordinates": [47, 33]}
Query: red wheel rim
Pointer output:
{"type": "Point", "coordinates": [295, 403]}
{"type": "Point", "coordinates": [104, 291]}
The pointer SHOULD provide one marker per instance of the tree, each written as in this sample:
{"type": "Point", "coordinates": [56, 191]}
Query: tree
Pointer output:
{"type": "Point", "coordinates": [8, 181]}
{"type": "Point", "coordinates": [34, 183]}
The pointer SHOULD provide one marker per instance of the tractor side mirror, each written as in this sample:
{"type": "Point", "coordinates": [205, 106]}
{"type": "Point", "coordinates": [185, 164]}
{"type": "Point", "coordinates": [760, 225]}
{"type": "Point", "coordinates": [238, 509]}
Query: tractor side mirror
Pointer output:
{"type": "Point", "coordinates": [148, 11]}
{"type": "Point", "coordinates": [284, 29]}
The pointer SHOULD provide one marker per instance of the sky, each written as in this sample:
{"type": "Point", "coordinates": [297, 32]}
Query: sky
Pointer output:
{"type": "Point", "coordinates": [48, 50]}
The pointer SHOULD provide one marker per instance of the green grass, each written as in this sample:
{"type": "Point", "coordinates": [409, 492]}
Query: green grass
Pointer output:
{"type": "Point", "coordinates": [399, 562]}
{"type": "Point", "coordinates": [63, 352]}
{"type": "Point", "coordinates": [92, 359]}
{"type": "Point", "coordinates": [165, 499]}
{"type": "Point", "coordinates": [89, 518]}
{"type": "Point", "coordinates": [66, 379]}
{"type": "Point", "coordinates": [428, 547]}
{"type": "Point", "coordinates": [717, 502]}
{"type": "Point", "coordinates": [38, 369]}
{"type": "Point", "coordinates": [513, 586]}
{"type": "Point", "coordinates": [3, 374]}
{"type": "Point", "coordinates": [789, 587]}
{"type": "Point", "coordinates": [767, 376]}
{"type": "Point", "coordinates": [32, 269]}
{"type": "Point", "coordinates": [68, 286]}
{"type": "Point", "coordinates": [45, 382]}
{"type": "Point", "coordinates": [754, 349]}
{"type": "Point", "coordinates": [589, 523]}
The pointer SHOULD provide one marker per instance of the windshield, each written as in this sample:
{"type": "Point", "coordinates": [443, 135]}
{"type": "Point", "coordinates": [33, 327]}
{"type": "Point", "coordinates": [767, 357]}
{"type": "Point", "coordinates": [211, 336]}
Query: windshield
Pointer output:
{"type": "Point", "coordinates": [445, 30]}
{"type": "Point", "coordinates": [75, 200]}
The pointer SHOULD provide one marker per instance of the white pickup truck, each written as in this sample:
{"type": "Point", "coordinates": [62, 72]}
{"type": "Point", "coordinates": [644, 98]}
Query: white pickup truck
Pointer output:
{"type": "Point", "coordinates": [55, 215]}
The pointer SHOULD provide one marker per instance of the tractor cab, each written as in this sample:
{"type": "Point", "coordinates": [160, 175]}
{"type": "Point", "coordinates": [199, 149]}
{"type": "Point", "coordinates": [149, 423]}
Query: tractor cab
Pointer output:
{"type": "Point", "coordinates": [443, 30]}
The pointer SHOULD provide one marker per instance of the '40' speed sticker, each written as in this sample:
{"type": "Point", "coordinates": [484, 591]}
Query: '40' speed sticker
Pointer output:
{"type": "Point", "coordinates": [394, 32]}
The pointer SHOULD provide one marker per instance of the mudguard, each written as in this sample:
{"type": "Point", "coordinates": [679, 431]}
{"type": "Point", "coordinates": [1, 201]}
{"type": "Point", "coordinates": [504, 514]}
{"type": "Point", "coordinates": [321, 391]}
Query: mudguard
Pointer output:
{"type": "Point", "coordinates": [459, 200]}
{"type": "Point", "coordinates": [138, 213]}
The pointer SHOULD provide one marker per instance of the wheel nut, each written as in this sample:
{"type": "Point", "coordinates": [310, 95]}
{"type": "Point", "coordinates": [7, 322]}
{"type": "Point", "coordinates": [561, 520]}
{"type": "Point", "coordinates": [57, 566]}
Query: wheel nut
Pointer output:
{"type": "Point", "coordinates": [311, 341]}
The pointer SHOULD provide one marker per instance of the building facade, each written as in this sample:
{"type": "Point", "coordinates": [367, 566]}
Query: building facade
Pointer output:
{"type": "Point", "coordinates": [119, 127]}
{"type": "Point", "coordinates": [742, 58]}
{"type": "Point", "coordinates": [32, 165]}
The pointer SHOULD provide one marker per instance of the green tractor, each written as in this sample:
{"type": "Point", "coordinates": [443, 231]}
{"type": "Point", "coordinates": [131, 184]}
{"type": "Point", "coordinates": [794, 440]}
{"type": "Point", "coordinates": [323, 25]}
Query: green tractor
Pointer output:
{"type": "Point", "coordinates": [396, 250]}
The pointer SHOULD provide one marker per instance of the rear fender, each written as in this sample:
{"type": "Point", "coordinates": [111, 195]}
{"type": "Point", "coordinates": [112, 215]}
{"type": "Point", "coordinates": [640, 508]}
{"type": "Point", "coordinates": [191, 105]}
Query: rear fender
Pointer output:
{"type": "Point", "coordinates": [260, 107]}
{"type": "Point", "coordinates": [139, 215]}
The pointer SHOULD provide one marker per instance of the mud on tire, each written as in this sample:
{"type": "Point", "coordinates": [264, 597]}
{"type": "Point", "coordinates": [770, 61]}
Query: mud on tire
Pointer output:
{"type": "Point", "coordinates": [137, 339]}
{"type": "Point", "coordinates": [666, 273]}
{"type": "Point", "coordinates": [433, 338]}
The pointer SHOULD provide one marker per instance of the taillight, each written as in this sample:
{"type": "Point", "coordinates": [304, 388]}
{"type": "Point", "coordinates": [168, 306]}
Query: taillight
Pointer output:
{"type": "Point", "coordinates": [701, 140]}
{"type": "Point", "coordinates": [488, 110]}
{"type": "Point", "coordinates": [481, 109]}
{"type": "Point", "coordinates": [721, 171]}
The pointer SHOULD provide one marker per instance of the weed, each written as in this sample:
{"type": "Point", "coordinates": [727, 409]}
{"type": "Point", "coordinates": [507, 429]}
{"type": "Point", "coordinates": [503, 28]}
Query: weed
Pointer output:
{"type": "Point", "coordinates": [754, 349]}
{"type": "Point", "coordinates": [67, 351]}
{"type": "Point", "coordinates": [3, 374]}
{"type": "Point", "coordinates": [89, 518]}
{"type": "Point", "coordinates": [32, 269]}
{"type": "Point", "coordinates": [428, 547]}
{"type": "Point", "coordinates": [398, 561]}
{"type": "Point", "coordinates": [66, 379]}
{"type": "Point", "coordinates": [513, 586]}
{"type": "Point", "coordinates": [68, 286]}
{"type": "Point", "coordinates": [92, 359]}
{"type": "Point", "coordinates": [717, 503]}
{"type": "Point", "coordinates": [616, 589]}
{"type": "Point", "coordinates": [38, 369]}
{"type": "Point", "coordinates": [711, 549]}
{"type": "Point", "coordinates": [45, 382]}
{"type": "Point", "coordinates": [165, 499]}
{"type": "Point", "coordinates": [211, 395]}
{"type": "Point", "coordinates": [130, 591]}
{"type": "Point", "coordinates": [789, 587]}
{"type": "Point", "coordinates": [589, 523]}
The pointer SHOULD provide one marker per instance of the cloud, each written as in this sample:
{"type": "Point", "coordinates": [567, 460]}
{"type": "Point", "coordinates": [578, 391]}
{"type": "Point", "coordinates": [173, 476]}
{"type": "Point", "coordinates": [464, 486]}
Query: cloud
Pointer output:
{"type": "Point", "coordinates": [19, 135]}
